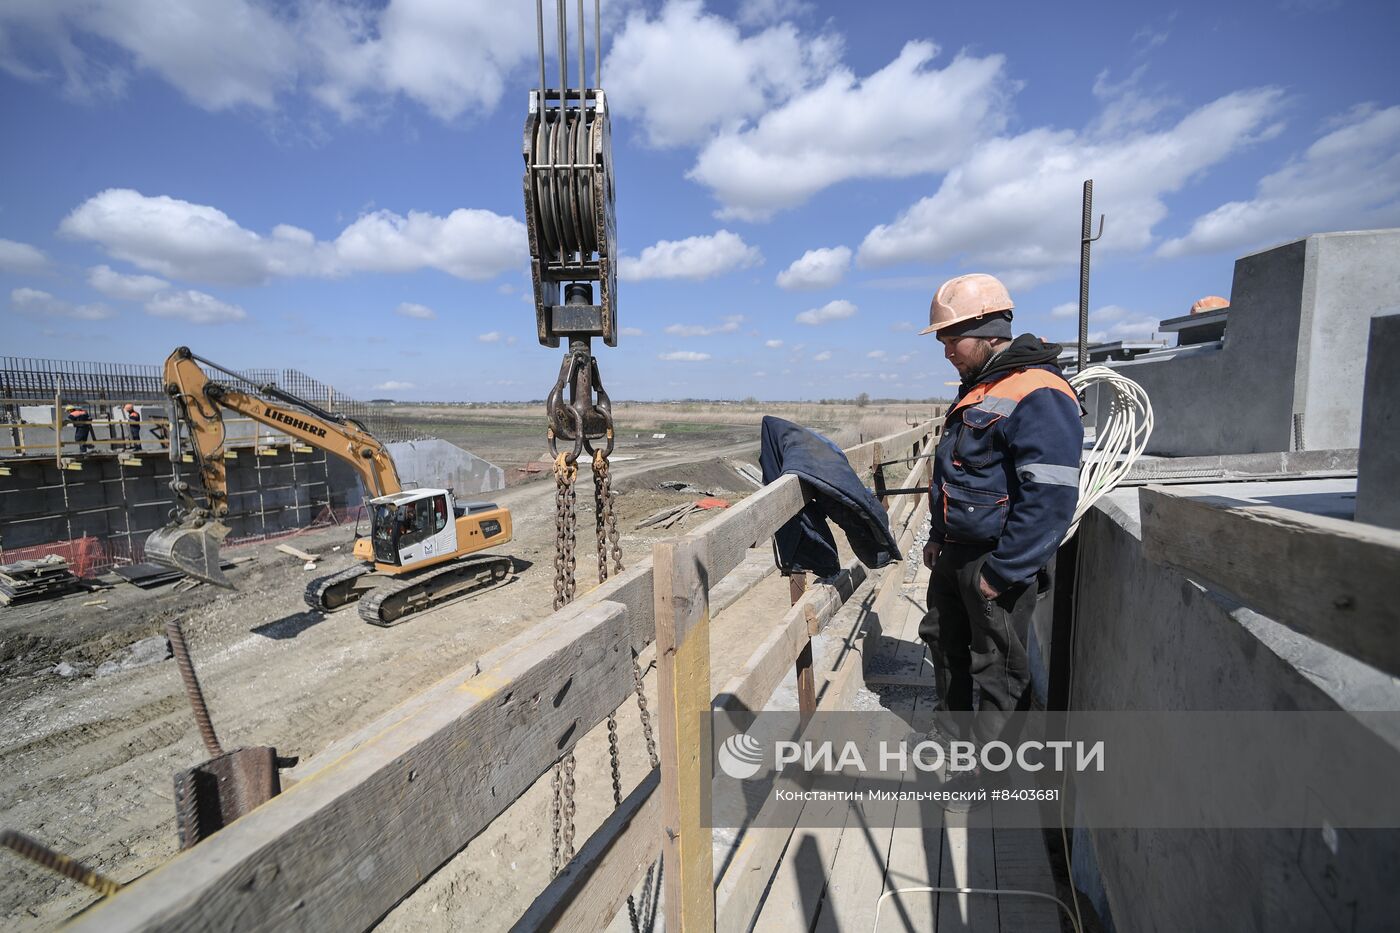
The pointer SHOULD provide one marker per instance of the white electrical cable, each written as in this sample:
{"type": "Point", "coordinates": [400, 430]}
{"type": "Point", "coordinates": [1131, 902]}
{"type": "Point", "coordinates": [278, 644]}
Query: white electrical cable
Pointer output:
{"type": "Point", "coordinates": [994, 892]}
{"type": "Point", "coordinates": [1118, 442]}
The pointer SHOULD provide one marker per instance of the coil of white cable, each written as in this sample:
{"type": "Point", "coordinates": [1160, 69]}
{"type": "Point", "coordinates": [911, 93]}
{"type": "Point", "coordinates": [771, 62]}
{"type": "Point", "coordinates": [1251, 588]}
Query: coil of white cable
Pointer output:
{"type": "Point", "coordinates": [1118, 442]}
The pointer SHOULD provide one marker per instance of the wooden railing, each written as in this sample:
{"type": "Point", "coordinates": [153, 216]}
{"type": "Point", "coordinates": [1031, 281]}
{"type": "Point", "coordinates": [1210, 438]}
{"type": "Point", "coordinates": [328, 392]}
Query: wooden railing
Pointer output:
{"type": "Point", "coordinates": [379, 811]}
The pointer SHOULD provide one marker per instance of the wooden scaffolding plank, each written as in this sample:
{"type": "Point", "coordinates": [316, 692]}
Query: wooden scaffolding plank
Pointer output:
{"type": "Point", "coordinates": [1022, 862]}
{"type": "Point", "coordinates": [915, 851]}
{"type": "Point", "coordinates": [683, 687]}
{"type": "Point", "coordinates": [591, 890]}
{"type": "Point", "coordinates": [340, 848]}
{"type": "Point", "coordinates": [858, 874]}
{"type": "Point", "coordinates": [968, 861]}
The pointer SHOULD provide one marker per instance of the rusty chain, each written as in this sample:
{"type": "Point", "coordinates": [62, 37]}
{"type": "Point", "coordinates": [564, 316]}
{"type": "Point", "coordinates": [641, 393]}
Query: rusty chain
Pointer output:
{"type": "Point", "coordinates": [609, 555]}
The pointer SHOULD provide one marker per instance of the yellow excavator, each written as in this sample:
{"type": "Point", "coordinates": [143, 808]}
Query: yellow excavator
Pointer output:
{"type": "Point", "coordinates": [423, 547]}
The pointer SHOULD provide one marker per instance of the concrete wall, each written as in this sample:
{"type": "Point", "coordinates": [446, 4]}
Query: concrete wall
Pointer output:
{"type": "Point", "coordinates": [439, 464]}
{"type": "Point", "coordinates": [1149, 639]}
{"type": "Point", "coordinates": [1378, 469]}
{"type": "Point", "coordinates": [108, 499]}
{"type": "Point", "coordinates": [1295, 342]}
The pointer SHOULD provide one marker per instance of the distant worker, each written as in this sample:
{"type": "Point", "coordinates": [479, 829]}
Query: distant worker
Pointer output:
{"type": "Point", "coordinates": [133, 426]}
{"type": "Point", "coordinates": [1004, 490]}
{"type": "Point", "coordinates": [1209, 303]}
{"type": "Point", "coordinates": [82, 427]}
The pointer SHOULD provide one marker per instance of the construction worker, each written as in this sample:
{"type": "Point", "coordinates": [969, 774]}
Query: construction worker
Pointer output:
{"type": "Point", "coordinates": [133, 426]}
{"type": "Point", "coordinates": [82, 427]}
{"type": "Point", "coordinates": [1004, 490]}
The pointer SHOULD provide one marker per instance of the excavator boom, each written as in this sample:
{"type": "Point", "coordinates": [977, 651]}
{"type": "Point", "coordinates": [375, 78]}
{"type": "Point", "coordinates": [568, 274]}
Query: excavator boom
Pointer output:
{"type": "Point", "coordinates": [191, 542]}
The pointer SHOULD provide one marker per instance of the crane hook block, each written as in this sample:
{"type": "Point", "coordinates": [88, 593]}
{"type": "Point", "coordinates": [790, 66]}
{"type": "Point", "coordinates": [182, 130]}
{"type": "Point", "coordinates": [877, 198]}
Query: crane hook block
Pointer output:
{"type": "Point", "coordinates": [570, 213]}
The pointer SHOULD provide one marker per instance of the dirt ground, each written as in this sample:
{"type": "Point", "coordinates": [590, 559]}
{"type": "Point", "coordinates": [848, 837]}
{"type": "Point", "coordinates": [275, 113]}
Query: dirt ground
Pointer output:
{"type": "Point", "coordinates": [86, 760]}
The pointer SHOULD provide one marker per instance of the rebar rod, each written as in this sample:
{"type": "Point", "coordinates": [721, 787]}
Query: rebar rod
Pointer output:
{"type": "Point", "coordinates": [1085, 242]}
{"type": "Point", "coordinates": [192, 689]}
{"type": "Point", "coordinates": [68, 867]}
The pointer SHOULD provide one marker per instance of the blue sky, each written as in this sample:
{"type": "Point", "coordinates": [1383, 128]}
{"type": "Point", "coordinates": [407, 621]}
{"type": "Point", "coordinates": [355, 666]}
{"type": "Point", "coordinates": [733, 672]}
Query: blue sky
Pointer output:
{"type": "Point", "coordinates": [335, 186]}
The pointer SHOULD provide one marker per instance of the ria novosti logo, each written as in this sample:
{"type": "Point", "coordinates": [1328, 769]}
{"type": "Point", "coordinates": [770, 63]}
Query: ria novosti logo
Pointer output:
{"type": "Point", "coordinates": [740, 756]}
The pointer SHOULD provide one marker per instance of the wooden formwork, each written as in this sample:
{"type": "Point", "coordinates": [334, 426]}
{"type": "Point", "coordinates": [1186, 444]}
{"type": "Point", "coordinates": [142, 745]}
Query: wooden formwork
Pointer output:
{"type": "Point", "coordinates": [380, 811]}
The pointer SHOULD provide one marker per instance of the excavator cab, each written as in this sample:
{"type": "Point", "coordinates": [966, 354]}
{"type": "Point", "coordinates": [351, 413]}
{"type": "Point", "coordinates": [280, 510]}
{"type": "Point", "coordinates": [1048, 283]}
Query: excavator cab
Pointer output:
{"type": "Point", "coordinates": [410, 528]}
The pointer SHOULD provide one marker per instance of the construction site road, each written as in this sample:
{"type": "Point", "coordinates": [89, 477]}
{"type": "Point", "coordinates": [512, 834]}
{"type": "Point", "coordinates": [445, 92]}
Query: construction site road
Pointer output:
{"type": "Point", "coordinates": [96, 722]}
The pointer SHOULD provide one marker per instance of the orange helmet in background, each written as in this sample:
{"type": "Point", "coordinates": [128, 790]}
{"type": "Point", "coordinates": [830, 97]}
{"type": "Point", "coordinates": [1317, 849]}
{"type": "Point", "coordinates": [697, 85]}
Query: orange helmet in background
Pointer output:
{"type": "Point", "coordinates": [1209, 303]}
{"type": "Point", "coordinates": [967, 298]}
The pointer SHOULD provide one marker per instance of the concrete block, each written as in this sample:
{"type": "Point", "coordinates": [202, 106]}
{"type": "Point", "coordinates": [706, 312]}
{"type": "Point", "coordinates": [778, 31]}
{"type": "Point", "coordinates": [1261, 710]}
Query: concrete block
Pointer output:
{"type": "Point", "coordinates": [438, 464]}
{"type": "Point", "coordinates": [1297, 333]}
{"type": "Point", "coordinates": [1378, 469]}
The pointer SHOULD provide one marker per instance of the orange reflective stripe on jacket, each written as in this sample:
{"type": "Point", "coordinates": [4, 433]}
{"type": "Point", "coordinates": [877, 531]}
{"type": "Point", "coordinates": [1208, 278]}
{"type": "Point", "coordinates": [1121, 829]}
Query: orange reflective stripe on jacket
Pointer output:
{"type": "Point", "coordinates": [1015, 386]}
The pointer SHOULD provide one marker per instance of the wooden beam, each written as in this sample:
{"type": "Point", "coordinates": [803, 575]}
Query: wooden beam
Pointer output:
{"type": "Point", "coordinates": [1339, 587]}
{"type": "Point", "coordinates": [339, 849]}
{"type": "Point", "coordinates": [729, 535]}
{"type": "Point", "coordinates": [683, 684]}
{"type": "Point", "coordinates": [806, 680]}
{"type": "Point", "coordinates": [740, 890]}
{"type": "Point", "coordinates": [590, 892]}
{"type": "Point", "coordinates": [753, 684]}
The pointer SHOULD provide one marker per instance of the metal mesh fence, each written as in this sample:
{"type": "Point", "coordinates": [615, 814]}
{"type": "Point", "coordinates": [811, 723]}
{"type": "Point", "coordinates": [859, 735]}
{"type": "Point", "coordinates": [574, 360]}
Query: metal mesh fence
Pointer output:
{"type": "Point", "coordinates": [36, 380]}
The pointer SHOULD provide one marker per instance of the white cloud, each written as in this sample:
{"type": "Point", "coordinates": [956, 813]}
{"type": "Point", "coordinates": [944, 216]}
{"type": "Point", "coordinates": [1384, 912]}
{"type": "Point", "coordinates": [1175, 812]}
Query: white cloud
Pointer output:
{"type": "Point", "coordinates": [695, 258]}
{"type": "Point", "coordinates": [632, 332]}
{"type": "Point", "coordinates": [392, 385]}
{"type": "Point", "coordinates": [730, 325]}
{"type": "Point", "coordinates": [33, 301]}
{"type": "Point", "coordinates": [823, 356]}
{"type": "Point", "coordinates": [1348, 179]}
{"type": "Point", "coordinates": [410, 309]}
{"type": "Point", "coordinates": [876, 355]}
{"type": "Point", "coordinates": [1068, 309]}
{"type": "Point", "coordinates": [831, 311]}
{"type": "Point", "coordinates": [21, 258]}
{"type": "Point", "coordinates": [490, 337]}
{"type": "Point", "coordinates": [772, 344]}
{"type": "Point", "coordinates": [763, 12]}
{"type": "Point", "coordinates": [684, 356]}
{"type": "Point", "coordinates": [449, 56]}
{"type": "Point", "coordinates": [906, 119]}
{"type": "Point", "coordinates": [199, 243]}
{"type": "Point", "coordinates": [686, 72]}
{"type": "Point", "coordinates": [903, 327]}
{"type": "Point", "coordinates": [124, 287]}
{"type": "Point", "coordinates": [194, 307]}
{"type": "Point", "coordinates": [1013, 206]}
{"type": "Point", "coordinates": [818, 268]}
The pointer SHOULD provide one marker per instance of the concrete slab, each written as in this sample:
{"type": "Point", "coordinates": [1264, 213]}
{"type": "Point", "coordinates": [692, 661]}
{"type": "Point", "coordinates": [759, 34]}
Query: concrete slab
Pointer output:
{"type": "Point", "coordinates": [1378, 488]}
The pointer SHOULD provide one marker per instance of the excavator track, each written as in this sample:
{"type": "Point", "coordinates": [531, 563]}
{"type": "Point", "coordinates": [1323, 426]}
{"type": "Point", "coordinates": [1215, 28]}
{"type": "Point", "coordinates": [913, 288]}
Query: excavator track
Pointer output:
{"type": "Point", "coordinates": [391, 602]}
{"type": "Point", "coordinates": [337, 590]}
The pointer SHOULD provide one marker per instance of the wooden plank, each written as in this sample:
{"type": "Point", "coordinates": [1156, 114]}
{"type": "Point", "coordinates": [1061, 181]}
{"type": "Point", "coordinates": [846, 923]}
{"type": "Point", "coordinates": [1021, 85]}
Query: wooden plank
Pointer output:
{"type": "Point", "coordinates": [760, 850]}
{"type": "Point", "coordinates": [968, 861]}
{"type": "Point", "coordinates": [858, 874]}
{"type": "Point", "coordinates": [1022, 862]}
{"type": "Point", "coordinates": [337, 850]}
{"type": "Point", "coordinates": [298, 553]}
{"type": "Point", "coordinates": [915, 852]}
{"type": "Point", "coordinates": [1340, 584]}
{"type": "Point", "coordinates": [632, 589]}
{"type": "Point", "coordinates": [729, 535]}
{"type": "Point", "coordinates": [758, 565]}
{"type": "Point", "coordinates": [753, 684]}
{"type": "Point", "coordinates": [591, 890]}
{"type": "Point", "coordinates": [806, 680]}
{"type": "Point", "coordinates": [683, 686]}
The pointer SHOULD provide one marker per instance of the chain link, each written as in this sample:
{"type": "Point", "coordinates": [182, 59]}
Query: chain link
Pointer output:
{"type": "Point", "coordinates": [567, 848]}
{"type": "Point", "coordinates": [609, 547]}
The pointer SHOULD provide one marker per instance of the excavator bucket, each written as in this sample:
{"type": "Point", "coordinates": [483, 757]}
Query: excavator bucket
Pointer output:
{"type": "Point", "coordinates": [191, 550]}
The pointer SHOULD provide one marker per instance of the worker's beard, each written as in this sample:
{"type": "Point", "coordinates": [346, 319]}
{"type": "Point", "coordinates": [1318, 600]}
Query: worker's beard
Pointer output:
{"type": "Point", "coordinates": [976, 360]}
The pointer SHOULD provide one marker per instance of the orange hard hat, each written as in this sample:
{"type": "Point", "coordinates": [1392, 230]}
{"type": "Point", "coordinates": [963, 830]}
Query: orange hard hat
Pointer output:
{"type": "Point", "coordinates": [1209, 303]}
{"type": "Point", "coordinates": [966, 298]}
